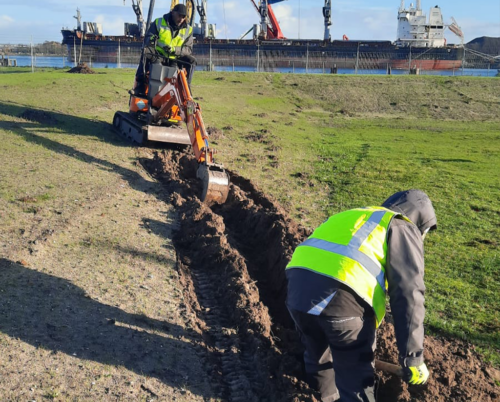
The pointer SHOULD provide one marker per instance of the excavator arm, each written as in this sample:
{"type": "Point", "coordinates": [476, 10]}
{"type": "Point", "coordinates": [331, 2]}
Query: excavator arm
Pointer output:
{"type": "Point", "coordinates": [175, 102]}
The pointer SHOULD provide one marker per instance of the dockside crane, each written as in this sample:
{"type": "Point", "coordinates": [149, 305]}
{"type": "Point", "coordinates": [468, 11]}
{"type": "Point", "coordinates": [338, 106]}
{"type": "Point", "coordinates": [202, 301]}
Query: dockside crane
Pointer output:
{"type": "Point", "coordinates": [270, 28]}
{"type": "Point", "coordinates": [201, 6]}
{"type": "Point", "coordinates": [327, 13]}
{"type": "Point", "coordinates": [137, 7]}
{"type": "Point", "coordinates": [203, 29]}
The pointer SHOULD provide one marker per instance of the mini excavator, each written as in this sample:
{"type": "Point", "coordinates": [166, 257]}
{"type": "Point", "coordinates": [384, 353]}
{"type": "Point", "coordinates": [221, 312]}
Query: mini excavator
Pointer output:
{"type": "Point", "coordinates": [159, 117]}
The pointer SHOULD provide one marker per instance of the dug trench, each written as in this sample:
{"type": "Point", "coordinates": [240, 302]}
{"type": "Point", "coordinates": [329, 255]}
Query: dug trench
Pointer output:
{"type": "Point", "coordinates": [231, 260]}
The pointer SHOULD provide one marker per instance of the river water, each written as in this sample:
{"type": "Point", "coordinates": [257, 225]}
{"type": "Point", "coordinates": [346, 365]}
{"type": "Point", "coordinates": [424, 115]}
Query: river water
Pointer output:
{"type": "Point", "coordinates": [62, 62]}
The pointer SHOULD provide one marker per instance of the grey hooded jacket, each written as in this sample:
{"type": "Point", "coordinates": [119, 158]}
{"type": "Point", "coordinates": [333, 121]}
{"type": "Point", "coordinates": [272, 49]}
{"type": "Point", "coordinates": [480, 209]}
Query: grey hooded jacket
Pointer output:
{"type": "Point", "coordinates": [404, 271]}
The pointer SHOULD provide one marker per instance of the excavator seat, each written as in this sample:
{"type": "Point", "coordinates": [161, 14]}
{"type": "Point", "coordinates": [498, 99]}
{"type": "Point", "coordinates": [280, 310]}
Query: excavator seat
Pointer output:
{"type": "Point", "coordinates": [157, 76]}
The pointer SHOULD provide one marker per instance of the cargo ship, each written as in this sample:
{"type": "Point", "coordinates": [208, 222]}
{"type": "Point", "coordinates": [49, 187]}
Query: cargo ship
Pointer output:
{"type": "Point", "coordinates": [420, 43]}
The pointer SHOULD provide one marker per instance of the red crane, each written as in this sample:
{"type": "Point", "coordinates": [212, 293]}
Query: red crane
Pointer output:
{"type": "Point", "coordinates": [270, 28]}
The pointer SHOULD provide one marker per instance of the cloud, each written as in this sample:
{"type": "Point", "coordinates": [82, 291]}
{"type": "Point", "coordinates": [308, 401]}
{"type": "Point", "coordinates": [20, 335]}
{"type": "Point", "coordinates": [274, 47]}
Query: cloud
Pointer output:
{"type": "Point", "coordinates": [5, 21]}
{"type": "Point", "coordinates": [473, 29]}
{"type": "Point", "coordinates": [287, 21]}
{"type": "Point", "coordinates": [235, 18]}
{"type": "Point", "coordinates": [111, 26]}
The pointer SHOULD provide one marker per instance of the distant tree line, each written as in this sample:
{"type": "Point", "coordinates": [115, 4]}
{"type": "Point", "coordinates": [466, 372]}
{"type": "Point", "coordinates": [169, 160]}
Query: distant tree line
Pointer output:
{"type": "Point", "coordinates": [47, 48]}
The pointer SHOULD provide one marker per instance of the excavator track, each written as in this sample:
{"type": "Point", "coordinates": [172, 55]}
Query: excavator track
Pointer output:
{"type": "Point", "coordinates": [129, 127]}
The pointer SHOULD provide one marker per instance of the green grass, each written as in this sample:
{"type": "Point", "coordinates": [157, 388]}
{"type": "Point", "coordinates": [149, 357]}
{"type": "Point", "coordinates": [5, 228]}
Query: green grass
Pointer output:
{"type": "Point", "coordinates": [318, 144]}
{"type": "Point", "coordinates": [350, 141]}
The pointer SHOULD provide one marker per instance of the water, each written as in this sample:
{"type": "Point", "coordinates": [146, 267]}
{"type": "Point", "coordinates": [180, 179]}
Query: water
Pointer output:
{"type": "Point", "coordinates": [62, 62]}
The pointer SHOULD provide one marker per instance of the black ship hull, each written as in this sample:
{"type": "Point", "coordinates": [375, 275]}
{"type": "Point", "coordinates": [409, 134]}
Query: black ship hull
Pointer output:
{"type": "Point", "coordinates": [266, 55]}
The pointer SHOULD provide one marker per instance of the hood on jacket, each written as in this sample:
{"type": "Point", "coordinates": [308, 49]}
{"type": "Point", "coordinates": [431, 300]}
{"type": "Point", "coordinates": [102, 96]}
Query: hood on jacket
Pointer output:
{"type": "Point", "coordinates": [416, 206]}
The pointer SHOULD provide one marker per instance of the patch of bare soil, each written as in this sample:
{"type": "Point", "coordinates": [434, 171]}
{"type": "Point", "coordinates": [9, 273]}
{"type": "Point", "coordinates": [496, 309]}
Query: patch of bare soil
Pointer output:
{"type": "Point", "coordinates": [215, 133]}
{"type": "Point", "coordinates": [232, 259]}
{"type": "Point", "coordinates": [39, 116]}
{"type": "Point", "coordinates": [81, 68]}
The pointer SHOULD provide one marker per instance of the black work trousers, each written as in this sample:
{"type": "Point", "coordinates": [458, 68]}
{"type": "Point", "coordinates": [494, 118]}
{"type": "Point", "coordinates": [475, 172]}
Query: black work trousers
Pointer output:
{"type": "Point", "coordinates": [142, 73]}
{"type": "Point", "coordinates": [339, 355]}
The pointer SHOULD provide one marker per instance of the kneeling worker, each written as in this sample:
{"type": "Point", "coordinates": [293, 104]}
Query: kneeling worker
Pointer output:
{"type": "Point", "coordinates": [337, 282]}
{"type": "Point", "coordinates": [174, 39]}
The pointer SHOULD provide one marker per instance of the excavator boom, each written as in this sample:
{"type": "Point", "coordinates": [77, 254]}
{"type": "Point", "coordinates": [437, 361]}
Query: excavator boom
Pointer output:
{"type": "Point", "coordinates": [170, 103]}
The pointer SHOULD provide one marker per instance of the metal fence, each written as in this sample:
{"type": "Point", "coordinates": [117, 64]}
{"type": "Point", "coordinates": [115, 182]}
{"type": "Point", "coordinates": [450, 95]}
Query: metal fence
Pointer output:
{"type": "Point", "coordinates": [258, 59]}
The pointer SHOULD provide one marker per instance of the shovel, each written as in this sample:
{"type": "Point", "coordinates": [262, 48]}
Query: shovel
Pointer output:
{"type": "Point", "coordinates": [389, 368]}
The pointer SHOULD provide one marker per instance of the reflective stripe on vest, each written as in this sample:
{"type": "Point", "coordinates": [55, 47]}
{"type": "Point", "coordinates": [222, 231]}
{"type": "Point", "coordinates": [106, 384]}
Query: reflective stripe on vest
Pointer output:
{"type": "Point", "coordinates": [351, 247]}
{"type": "Point", "coordinates": [165, 36]}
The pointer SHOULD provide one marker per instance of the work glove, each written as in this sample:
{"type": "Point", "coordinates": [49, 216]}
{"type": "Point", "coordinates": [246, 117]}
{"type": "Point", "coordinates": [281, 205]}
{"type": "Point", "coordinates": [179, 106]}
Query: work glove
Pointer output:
{"type": "Point", "coordinates": [168, 49]}
{"type": "Point", "coordinates": [416, 374]}
{"type": "Point", "coordinates": [150, 53]}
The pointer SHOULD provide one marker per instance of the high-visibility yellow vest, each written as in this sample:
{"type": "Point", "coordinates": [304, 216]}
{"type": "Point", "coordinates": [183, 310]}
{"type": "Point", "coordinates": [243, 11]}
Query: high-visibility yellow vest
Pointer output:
{"type": "Point", "coordinates": [351, 247]}
{"type": "Point", "coordinates": [165, 37]}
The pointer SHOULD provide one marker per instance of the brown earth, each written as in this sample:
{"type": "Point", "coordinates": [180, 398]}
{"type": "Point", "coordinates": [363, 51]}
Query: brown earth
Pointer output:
{"type": "Point", "coordinates": [82, 68]}
{"type": "Point", "coordinates": [231, 259]}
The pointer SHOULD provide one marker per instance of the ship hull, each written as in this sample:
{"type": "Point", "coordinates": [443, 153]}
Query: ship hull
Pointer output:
{"type": "Point", "coordinates": [269, 55]}
{"type": "Point", "coordinates": [427, 64]}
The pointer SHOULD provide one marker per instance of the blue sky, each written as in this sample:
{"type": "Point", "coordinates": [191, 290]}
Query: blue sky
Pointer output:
{"type": "Point", "coordinates": [21, 20]}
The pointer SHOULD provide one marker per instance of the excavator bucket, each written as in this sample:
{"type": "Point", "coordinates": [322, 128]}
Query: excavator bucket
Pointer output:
{"type": "Point", "coordinates": [215, 183]}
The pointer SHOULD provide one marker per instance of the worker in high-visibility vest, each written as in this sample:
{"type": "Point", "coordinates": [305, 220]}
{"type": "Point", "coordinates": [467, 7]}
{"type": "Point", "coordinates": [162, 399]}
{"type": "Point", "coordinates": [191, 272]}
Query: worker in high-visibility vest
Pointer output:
{"type": "Point", "coordinates": [171, 37]}
{"type": "Point", "coordinates": [337, 284]}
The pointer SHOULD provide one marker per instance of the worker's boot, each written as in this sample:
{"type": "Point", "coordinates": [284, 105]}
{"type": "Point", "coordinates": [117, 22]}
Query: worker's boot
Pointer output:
{"type": "Point", "coordinates": [137, 94]}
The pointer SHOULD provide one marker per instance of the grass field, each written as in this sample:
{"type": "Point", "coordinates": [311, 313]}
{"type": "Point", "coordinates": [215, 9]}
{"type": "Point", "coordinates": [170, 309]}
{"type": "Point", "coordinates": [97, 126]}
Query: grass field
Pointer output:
{"type": "Point", "coordinates": [318, 144]}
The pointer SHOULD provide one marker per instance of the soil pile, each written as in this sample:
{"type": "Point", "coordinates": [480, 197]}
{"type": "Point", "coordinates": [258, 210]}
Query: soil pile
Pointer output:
{"type": "Point", "coordinates": [232, 258]}
{"type": "Point", "coordinates": [485, 44]}
{"type": "Point", "coordinates": [81, 68]}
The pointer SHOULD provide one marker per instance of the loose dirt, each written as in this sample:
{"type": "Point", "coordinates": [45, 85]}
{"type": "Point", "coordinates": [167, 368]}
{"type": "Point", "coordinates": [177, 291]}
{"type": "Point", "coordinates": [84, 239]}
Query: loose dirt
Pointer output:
{"type": "Point", "coordinates": [82, 68]}
{"type": "Point", "coordinates": [232, 258]}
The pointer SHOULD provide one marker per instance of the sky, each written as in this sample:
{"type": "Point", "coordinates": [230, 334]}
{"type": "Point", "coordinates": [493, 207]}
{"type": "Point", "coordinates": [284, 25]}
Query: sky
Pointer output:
{"type": "Point", "coordinates": [23, 21]}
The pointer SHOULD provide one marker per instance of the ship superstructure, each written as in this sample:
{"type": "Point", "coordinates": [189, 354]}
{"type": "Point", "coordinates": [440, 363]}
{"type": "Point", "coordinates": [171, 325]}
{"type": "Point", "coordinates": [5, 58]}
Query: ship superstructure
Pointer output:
{"type": "Point", "coordinates": [414, 29]}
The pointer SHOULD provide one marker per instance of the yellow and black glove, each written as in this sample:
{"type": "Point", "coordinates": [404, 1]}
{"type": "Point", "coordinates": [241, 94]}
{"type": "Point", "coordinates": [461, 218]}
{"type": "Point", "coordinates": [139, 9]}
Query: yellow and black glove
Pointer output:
{"type": "Point", "coordinates": [168, 49]}
{"type": "Point", "coordinates": [416, 374]}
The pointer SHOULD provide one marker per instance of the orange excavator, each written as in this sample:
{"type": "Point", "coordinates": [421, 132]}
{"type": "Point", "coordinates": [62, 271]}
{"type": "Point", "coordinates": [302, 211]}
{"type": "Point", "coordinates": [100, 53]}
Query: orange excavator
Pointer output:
{"type": "Point", "coordinates": [161, 115]}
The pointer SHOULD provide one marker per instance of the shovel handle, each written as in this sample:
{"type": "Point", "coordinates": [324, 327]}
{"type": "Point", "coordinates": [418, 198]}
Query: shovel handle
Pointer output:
{"type": "Point", "coordinates": [389, 368]}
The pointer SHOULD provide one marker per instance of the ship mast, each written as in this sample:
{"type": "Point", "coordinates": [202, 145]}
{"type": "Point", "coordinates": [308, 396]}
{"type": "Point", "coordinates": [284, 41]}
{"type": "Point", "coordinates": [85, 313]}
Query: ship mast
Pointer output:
{"type": "Point", "coordinates": [78, 18]}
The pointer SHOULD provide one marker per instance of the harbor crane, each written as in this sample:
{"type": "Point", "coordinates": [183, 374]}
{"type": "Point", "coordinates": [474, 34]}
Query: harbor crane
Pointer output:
{"type": "Point", "coordinates": [327, 13]}
{"type": "Point", "coordinates": [269, 26]}
{"type": "Point", "coordinates": [137, 7]}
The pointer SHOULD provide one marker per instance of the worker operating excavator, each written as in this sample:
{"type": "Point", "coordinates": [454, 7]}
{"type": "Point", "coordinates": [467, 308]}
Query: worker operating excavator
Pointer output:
{"type": "Point", "coordinates": [171, 36]}
{"type": "Point", "coordinates": [161, 99]}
